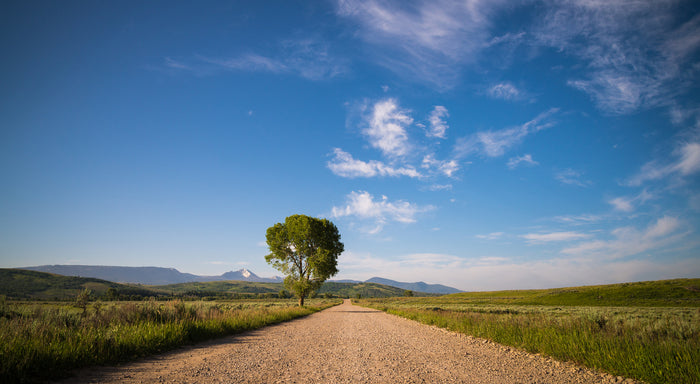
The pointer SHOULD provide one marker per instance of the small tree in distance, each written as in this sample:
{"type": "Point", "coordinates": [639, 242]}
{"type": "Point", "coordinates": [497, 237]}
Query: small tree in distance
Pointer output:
{"type": "Point", "coordinates": [306, 250]}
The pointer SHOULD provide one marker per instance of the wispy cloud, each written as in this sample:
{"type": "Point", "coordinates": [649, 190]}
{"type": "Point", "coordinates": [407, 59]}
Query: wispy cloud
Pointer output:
{"type": "Point", "coordinates": [554, 236]}
{"type": "Point", "coordinates": [362, 205]}
{"type": "Point", "coordinates": [628, 241]}
{"type": "Point", "coordinates": [491, 236]}
{"type": "Point", "coordinates": [579, 219]}
{"type": "Point", "coordinates": [446, 167]}
{"type": "Point", "coordinates": [344, 165]}
{"type": "Point", "coordinates": [628, 203]}
{"type": "Point", "coordinates": [485, 273]}
{"type": "Point", "coordinates": [515, 162]}
{"type": "Point", "coordinates": [308, 58]}
{"type": "Point", "coordinates": [440, 187]}
{"type": "Point", "coordinates": [504, 91]}
{"type": "Point", "coordinates": [635, 52]}
{"type": "Point", "coordinates": [572, 177]}
{"type": "Point", "coordinates": [685, 163]}
{"type": "Point", "coordinates": [496, 143]}
{"type": "Point", "coordinates": [438, 126]}
{"type": "Point", "coordinates": [425, 41]}
{"type": "Point", "coordinates": [386, 126]}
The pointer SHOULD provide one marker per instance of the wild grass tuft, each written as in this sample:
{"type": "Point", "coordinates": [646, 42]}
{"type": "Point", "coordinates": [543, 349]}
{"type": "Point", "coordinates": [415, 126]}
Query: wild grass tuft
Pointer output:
{"type": "Point", "coordinates": [46, 341]}
{"type": "Point", "coordinates": [656, 345]}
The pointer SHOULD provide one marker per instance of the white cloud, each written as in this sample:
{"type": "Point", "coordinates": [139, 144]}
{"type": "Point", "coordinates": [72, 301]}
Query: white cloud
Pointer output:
{"type": "Point", "coordinates": [635, 53]}
{"type": "Point", "coordinates": [628, 241]}
{"type": "Point", "coordinates": [386, 129]}
{"type": "Point", "coordinates": [689, 159]}
{"type": "Point", "coordinates": [496, 143]}
{"type": "Point", "coordinates": [554, 236]}
{"type": "Point", "coordinates": [505, 91]}
{"type": "Point", "coordinates": [309, 58]}
{"type": "Point", "coordinates": [344, 165]}
{"type": "Point", "coordinates": [622, 204]}
{"type": "Point", "coordinates": [526, 159]}
{"type": "Point", "coordinates": [361, 204]}
{"type": "Point", "coordinates": [627, 204]}
{"type": "Point", "coordinates": [426, 41]}
{"type": "Point", "coordinates": [572, 177]}
{"type": "Point", "coordinates": [442, 187]}
{"type": "Point", "coordinates": [176, 64]}
{"type": "Point", "coordinates": [438, 126]}
{"type": "Point", "coordinates": [579, 219]}
{"type": "Point", "coordinates": [687, 162]}
{"type": "Point", "coordinates": [486, 273]}
{"type": "Point", "coordinates": [250, 62]}
{"type": "Point", "coordinates": [446, 167]}
{"type": "Point", "coordinates": [491, 236]}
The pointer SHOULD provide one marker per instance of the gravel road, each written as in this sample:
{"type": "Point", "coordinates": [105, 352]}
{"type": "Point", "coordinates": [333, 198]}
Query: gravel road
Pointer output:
{"type": "Point", "coordinates": [346, 344]}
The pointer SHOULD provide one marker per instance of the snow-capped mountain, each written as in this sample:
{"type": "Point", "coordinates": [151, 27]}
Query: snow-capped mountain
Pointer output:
{"type": "Point", "coordinates": [148, 275]}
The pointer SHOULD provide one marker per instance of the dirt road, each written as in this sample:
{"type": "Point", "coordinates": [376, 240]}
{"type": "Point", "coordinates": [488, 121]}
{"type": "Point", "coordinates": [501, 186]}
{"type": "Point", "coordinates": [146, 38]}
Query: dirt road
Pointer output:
{"type": "Point", "coordinates": [346, 344]}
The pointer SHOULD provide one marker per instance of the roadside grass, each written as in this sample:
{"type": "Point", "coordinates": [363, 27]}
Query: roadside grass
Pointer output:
{"type": "Point", "coordinates": [41, 341]}
{"type": "Point", "coordinates": [655, 345]}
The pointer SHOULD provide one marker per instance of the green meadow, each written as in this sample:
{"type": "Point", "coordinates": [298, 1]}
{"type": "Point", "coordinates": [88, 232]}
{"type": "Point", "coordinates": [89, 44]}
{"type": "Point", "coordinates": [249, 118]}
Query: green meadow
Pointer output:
{"type": "Point", "coordinates": [41, 341]}
{"type": "Point", "coordinates": [648, 331]}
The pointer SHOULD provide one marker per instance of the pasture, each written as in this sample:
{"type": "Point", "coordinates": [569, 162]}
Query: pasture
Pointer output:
{"type": "Point", "coordinates": [655, 337]}
{"type": "Point", "coordinates": [45, 340]}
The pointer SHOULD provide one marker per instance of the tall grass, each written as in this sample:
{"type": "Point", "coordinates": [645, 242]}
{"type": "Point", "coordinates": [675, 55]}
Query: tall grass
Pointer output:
{"type": "Point", "coordinates": [46, 341]}
{"type": "Point", "coordinates": [656, 345]}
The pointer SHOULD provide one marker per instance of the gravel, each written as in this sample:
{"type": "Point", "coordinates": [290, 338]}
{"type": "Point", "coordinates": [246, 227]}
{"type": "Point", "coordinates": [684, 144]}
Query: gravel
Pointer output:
{"type": "Point", "coordinates": [347, 344]}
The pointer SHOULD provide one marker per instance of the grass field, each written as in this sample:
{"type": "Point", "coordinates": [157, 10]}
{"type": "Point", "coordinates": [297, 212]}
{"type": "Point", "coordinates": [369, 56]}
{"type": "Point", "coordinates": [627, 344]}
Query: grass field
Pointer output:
{"type": "Point", "coordinates": [40, 341]}
{"type": "Point", "coordinates": [655, 337]}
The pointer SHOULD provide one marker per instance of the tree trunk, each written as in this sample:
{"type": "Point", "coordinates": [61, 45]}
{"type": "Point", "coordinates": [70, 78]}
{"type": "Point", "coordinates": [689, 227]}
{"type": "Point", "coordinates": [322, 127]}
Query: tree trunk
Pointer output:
{"type": "Point", "coordinates": [301, 301]}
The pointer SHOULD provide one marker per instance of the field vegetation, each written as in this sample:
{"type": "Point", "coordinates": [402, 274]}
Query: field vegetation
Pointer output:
{"type": "Point", "coordinates": [40, 341]}
{"type": "Point", "coordinates": [649, 331]}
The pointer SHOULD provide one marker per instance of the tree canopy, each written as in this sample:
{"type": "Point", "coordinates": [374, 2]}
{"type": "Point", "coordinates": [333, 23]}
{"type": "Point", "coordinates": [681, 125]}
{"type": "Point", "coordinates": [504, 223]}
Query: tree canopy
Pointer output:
{"type": "Point", "coordinates": [306, 250]}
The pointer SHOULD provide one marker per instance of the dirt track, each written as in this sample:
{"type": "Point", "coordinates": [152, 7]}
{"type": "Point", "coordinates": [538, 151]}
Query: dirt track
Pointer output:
{"type": "Point", "coordinates": [346, 344]}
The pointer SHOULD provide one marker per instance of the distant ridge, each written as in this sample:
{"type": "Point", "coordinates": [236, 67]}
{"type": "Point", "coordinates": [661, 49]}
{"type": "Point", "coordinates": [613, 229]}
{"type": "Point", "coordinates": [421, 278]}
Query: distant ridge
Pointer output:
{"type": "Point", "coordinates": [166, 276]}
{"type": "Point", "coordinates": [418, 287]}
{"type": "Point", "coordinates": [147, 275]}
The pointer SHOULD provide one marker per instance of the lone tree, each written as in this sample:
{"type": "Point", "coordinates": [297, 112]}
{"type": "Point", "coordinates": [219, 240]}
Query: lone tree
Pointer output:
{"type": "Point", "coordinates": [306, 249]}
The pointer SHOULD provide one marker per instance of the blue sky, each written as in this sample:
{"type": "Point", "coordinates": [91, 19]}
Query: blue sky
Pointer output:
{"type": "Point", "coordinates": [478, 144]}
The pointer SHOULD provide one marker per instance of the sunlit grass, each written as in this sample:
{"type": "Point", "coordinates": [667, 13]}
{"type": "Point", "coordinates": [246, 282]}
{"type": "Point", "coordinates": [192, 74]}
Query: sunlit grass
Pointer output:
{"type": "Point", "coordinates": [42, 341]}
{"type": "Point", "coordinates": [656, 345]}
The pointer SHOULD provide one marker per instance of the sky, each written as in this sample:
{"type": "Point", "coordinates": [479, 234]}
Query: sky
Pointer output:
{"type": "Point", "coordinates": [480, 144]}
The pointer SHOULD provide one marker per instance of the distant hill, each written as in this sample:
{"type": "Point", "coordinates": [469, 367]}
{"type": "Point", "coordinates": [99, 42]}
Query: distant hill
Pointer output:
{"type": "Point", "coordinates": [35, 285]}
{"type": "Point", "coordinates": [416, 287]}
{"type": "Point", "coordinates": [146, 275]}
{"type": "Point", "coordinates": [215, 288]}
{"type": "Point", "coordinates": [23, 284]}
{"type": "Point", "coordinates": [659, 293]}
{"type": "Point", "coordinates": [169, 276]}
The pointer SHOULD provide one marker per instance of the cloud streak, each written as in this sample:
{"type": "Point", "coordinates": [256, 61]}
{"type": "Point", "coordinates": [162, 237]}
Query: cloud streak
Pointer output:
{"type": "Point", "coordinates": [438, 126]}
{"type": "Point", "coordinates": [308, 58]}
{"type": "Point", "coordinates": [554, 237]}
{"type": "Point", "coordinates": [344, 165]}
{"type": "Point", "coordinates": [685, 163]}
{"type": "Point", "coordinates": [424, 41]}
{"type": "Point", "coordinates": [497, 143]}
{"type": "Point", "coordinates": [515, 162]}
{"type": "Point", "coordinates": [504, 91]}
{"type": "Point", "coordinates": [635, 52]}
{"type": "Point", "coordinates": [628, 241]}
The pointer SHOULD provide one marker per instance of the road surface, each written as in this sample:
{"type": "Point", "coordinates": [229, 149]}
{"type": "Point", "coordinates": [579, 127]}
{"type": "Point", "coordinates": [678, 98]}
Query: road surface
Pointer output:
{"type": "Point", "coordinates": [346, 344]}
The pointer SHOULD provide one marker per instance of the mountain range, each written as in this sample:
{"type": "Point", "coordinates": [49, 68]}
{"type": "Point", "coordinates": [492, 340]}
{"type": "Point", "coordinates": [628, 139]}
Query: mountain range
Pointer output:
{"type": "Point", "coordinates": [165, 276]}
{"type": "Point", "coordinates": [148, 275]}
